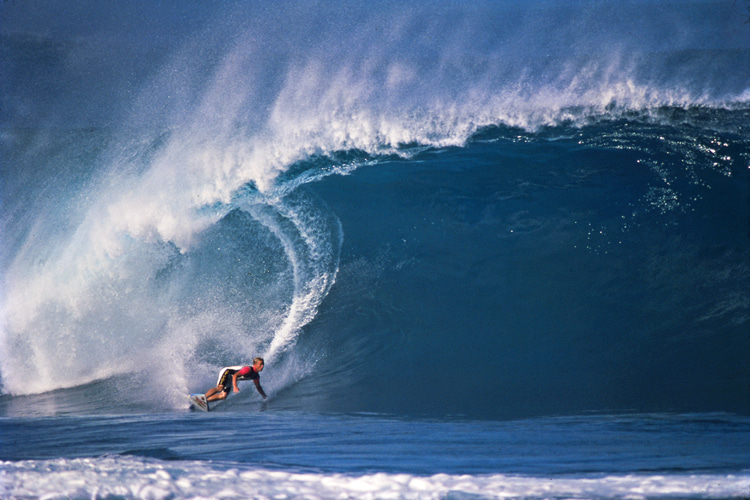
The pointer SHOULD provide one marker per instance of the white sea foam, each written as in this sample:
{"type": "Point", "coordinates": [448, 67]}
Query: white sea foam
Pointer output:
{"type": "Point", "coordinates": [134, 478]}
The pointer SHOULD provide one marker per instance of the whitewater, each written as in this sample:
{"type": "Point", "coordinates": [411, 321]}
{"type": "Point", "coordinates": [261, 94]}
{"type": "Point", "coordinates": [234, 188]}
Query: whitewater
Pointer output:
{"type": "Point", "coordinates": [488, 250]}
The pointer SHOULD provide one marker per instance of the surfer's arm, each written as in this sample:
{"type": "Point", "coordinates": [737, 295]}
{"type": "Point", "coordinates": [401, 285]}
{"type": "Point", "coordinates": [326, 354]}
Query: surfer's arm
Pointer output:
{"type": "Point", "coordinates": [234, 382]}
{"type": "Point", "coordinates": [260, 389]}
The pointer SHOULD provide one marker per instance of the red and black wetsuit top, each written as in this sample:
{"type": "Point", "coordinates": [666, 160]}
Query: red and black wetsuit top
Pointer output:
{"type": "Point", "coordinates": [243, 373]}
{"type": "Point", "coordinates": [248, 373]}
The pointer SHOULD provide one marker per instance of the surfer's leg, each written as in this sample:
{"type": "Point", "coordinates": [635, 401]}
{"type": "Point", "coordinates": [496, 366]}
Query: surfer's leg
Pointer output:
{"type": "Point", "coordinates": [213, 391]}
{"type": "Point", "coordinates": [219, 392]}
{"type": "Point", "coordinates": [216, 395]}
{"type": "Point", "coordinates": [224, 386]}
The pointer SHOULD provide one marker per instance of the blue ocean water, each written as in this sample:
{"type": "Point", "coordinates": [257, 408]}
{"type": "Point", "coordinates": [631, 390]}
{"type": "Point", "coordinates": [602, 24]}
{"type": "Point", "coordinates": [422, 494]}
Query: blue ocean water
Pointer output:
{"type": "Point", "coordinates": [489, 250]}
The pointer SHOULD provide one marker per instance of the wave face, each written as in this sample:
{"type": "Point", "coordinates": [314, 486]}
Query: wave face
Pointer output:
{"type": "Point", "coordinates": [488, 210]}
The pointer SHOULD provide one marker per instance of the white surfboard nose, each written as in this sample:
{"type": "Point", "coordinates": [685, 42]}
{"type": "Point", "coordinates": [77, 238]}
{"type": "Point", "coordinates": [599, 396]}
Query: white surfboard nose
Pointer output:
{"type": "Point", "coordinates": [198, 401]}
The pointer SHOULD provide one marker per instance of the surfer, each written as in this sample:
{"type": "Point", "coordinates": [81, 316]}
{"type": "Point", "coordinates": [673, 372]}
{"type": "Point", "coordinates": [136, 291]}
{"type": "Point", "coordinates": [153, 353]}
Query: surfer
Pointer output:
{"type": "Point", "coordinates": [229, 376]}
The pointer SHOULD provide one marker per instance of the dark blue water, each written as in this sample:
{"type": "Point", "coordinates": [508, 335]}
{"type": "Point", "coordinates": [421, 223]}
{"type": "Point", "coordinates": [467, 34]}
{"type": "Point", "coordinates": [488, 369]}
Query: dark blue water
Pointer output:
{"type": "Point", "coordinates": [492, 250]}
{"type": "Point", "coordinates": [359, 443]}
{"type": "Point", "coordinates": [274, 453]}
{"type": "Point", "coordinates": [591, 282]}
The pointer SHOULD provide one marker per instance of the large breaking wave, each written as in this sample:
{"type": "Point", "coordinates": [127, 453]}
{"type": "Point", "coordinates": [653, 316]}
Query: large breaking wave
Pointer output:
{"type": "Point", "coordinates": [153, 218]}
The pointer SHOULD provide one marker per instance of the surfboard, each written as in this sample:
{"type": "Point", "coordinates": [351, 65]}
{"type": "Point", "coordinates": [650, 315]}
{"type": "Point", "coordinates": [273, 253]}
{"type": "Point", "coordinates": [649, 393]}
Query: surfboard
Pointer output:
{"type": "Point", "coordinates": [198, 401]}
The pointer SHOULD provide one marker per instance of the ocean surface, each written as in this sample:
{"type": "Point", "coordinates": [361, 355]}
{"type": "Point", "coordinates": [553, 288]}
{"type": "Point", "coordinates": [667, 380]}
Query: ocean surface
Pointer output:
{"type": "Point", "coordinates": [487, 249]}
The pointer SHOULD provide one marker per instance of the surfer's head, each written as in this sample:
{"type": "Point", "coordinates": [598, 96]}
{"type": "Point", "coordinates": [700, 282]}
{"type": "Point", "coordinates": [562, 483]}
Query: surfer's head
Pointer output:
{"type": "Point", "coordinates": [258, 364]}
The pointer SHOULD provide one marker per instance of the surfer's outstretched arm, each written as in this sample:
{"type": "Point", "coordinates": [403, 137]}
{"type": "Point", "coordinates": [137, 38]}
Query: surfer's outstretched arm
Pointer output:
{"type": "Point", "coordinates": [260, 389]}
